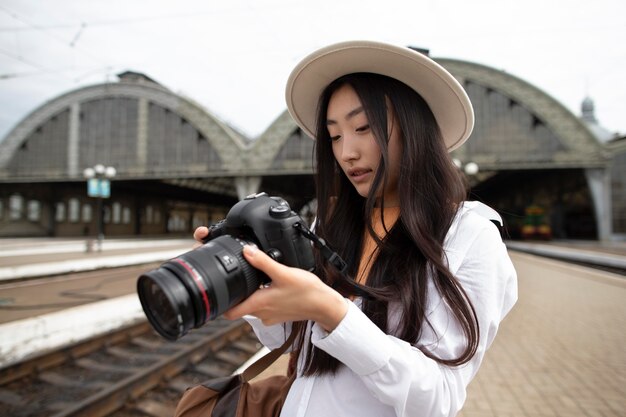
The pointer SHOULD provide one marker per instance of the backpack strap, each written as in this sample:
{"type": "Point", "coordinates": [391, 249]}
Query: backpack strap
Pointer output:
{"type": "Point", "coordinates": [487, 212]}
{"type": "Point", "coordinates": [266, 360]}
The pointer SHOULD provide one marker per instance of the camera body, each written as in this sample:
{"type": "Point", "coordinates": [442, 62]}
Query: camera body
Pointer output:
{"type": "Point", "coordinates": [186, 292]}
{"type": "Point", "coordinates": [269, 223]}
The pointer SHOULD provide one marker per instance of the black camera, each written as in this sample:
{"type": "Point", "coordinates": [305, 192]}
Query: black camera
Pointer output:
{"type": "Point", "coordinates": [186, 292]}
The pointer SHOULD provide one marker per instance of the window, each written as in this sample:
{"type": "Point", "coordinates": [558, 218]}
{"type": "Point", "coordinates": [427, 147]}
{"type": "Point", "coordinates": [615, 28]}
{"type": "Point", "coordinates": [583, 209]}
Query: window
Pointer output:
{"type": "Point", "coordinates": [16, 207]}
{"type": "Point", "coordinates": [176, 223]}
{"type": "Point", "coordinates": [59, 212]}
{"type": "Point", "coordinates": [152, 215]}
{"type": "Point", "coordinates": [87, 213]}
{"type": "Point", "coordinates": [149, 215]}
{"type": "Point", "coordinates": [73, 210]}
{"type": "Point", "coordinates": [117, 213]}
{"type": "Point", "coordinates": [126, 215]}
{"type": "Point", "coordinates": [198, 220]}
{"type": "Point", "coordinates": [34, 211]}
{"type": "Point", "coordinates": [107, 214]}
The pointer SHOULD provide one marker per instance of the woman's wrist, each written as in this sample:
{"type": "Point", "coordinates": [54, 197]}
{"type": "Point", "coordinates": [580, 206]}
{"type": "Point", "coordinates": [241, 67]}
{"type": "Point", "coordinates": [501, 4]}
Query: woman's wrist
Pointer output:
{"type": "Point", "coordinates": [332, 310]}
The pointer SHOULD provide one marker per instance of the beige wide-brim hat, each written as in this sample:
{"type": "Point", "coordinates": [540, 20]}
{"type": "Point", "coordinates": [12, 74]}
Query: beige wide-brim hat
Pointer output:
{"type": "Point", "coordinates": [445, 96]}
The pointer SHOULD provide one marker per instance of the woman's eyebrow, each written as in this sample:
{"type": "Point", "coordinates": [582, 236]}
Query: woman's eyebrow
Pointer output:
{"type": "Point", "coordinates": [350, 115]}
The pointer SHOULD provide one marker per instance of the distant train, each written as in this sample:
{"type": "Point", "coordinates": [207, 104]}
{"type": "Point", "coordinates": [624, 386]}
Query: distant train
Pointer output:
{"type": "Point", "coordinates": [535, 224]}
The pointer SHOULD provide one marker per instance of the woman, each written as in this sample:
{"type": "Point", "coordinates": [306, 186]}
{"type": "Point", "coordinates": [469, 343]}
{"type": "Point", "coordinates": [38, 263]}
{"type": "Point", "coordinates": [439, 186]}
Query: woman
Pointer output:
{"type": "Point", "coordinates": [428, 280]}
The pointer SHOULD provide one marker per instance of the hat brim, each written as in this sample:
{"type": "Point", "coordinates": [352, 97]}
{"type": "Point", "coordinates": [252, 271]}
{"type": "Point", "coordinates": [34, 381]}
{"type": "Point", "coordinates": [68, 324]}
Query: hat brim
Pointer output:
{"type": "Point", "coordinates": [445, 96]}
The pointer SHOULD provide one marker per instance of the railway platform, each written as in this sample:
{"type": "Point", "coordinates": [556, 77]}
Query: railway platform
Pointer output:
{"type": "Point", "coordinates": [26, 258]}
{"type": "Point", "coordinates": [36, 257]}
{"type": "Point", "coordinates": [559, 352]}
{"type": "Point", "coordinates": [29, 266]}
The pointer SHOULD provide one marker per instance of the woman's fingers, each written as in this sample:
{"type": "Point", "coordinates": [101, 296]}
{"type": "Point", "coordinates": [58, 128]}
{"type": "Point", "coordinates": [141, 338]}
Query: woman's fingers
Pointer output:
{"type": "Point", "coordinates": [238, 311]}
{"type": "Point", "coordinates": [256, 304]}
{"type": "Point", "coordinates": [276, 297]}
{"type": "Point", "coordinates": [261, 261]}
{"type": "Point", "coordinates": [200, 233]}
{"type": "Point", "coordinates": [294, 294]}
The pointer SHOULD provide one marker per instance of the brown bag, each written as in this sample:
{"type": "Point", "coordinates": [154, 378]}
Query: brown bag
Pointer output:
{"type": "Point", "coordinates": [236, 396]}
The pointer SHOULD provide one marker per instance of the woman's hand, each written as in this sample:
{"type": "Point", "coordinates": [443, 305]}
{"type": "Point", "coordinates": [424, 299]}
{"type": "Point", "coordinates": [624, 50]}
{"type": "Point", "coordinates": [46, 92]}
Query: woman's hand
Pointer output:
{"type": "Point", "coordinates": [200, 233]}
{"type": "Point", "coordinates": [294, 294]}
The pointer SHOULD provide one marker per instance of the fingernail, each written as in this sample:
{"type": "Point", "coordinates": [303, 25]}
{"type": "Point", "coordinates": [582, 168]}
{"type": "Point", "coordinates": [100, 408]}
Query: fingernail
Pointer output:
{"type": "Point", "coordinates": [250, 249]}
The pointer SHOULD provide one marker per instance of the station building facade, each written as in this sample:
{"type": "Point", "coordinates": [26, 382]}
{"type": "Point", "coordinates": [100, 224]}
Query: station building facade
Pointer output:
{"type": "Point", "coordinates": [178, 166]}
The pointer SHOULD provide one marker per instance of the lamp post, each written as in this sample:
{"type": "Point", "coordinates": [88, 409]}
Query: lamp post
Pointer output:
{"type": "Point", "coordinates": [99, 186]}
{"type": "Point", "coordinates": [470, 169]}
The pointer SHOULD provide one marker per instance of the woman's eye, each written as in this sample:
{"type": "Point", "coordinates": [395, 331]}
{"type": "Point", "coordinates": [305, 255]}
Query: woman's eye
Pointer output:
{"type": "Point", "coordinates": [363, 128]}
{"type": "Point", "coordinates": [335, 138]}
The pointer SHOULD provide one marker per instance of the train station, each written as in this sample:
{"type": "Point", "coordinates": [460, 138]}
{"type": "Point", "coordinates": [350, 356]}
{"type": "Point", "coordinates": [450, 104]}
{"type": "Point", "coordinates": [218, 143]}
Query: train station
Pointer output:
{"type": "Point", "coordinates": [139, 167]}
{"type": "Point", "coordinates": [548, 172]}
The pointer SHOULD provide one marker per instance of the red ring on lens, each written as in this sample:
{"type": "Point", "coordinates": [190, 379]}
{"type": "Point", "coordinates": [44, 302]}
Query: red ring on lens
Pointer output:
{"type": "Point", "coordinates": [198, 280]}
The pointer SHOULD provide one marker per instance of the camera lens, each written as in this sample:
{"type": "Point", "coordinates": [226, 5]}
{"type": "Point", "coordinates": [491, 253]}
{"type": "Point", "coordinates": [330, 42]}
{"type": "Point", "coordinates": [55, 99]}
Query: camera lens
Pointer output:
{"type": "Point", "coordinates": [186, 292]}
{"type": "Point", "coordinates": [166, 302]}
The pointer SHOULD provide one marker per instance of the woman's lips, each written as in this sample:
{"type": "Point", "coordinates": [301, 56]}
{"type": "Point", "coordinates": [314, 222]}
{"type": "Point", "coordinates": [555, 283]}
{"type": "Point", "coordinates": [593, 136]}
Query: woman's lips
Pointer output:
{"type": "Point", "coordinates": [359, 174]}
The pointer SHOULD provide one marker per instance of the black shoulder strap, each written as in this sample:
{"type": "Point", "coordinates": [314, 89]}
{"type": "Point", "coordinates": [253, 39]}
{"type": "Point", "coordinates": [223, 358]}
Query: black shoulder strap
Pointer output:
{"type": "Point", "coordinates": [330, 255]}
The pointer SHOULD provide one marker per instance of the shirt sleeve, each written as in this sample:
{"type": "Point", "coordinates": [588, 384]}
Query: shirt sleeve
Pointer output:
{"type": "Point", "coordinates": [399, 374]}
{"type": "Point", "coordinates": [271, 337]}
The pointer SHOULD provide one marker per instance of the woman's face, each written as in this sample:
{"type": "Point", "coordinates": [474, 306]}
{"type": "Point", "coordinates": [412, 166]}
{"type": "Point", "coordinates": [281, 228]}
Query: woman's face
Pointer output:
{"type": "Point", "coordinates": [355, 148]}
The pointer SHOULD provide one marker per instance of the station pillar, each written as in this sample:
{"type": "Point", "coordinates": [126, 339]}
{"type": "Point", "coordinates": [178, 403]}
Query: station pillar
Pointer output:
{"type": "Point", "coordinates": [246, 186]}
{"type": "Point", "coordinates": [599, 180]}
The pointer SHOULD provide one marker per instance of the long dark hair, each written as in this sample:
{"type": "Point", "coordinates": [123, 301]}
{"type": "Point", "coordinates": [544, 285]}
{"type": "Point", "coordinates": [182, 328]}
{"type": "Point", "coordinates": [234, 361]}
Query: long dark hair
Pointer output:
{"type": "Point", "coordinates": [430, 190]}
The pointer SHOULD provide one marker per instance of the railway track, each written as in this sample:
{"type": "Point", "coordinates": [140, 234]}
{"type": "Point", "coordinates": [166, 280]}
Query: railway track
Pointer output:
{"type": "Point", "coordinates": [126, 373]}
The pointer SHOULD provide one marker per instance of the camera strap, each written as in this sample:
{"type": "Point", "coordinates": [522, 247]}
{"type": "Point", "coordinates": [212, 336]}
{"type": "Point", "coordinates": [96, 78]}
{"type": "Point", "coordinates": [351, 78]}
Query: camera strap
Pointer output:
{"type": "Point", "coordinates": [330, 255]}
{"type": "Point", "coordinates": [334, 259]}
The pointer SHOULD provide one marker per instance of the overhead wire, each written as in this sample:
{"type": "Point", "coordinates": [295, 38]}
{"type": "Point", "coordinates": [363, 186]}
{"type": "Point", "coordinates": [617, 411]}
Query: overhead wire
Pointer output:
{"type": "Point", "coordinates": [27, 62]}
{"type": "Point", "coordinates": [115, 22]}
{"type": "Point", "coordinates": [70, 44]}
{"type": "Point", "coordinates": [47, 29]}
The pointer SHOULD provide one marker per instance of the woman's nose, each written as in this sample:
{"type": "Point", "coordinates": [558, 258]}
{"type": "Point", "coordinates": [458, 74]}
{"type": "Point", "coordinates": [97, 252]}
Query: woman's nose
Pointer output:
{"type": "Point", "coordinates": [349, 149]}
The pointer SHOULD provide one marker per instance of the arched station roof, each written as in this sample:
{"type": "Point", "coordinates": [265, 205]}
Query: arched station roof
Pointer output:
{"type": "Point", "coordinates": [518, 126]}
{"type": "Point", "coordinates": [147, 131]}
{"type": "Point", "coordinates": [136, 125]}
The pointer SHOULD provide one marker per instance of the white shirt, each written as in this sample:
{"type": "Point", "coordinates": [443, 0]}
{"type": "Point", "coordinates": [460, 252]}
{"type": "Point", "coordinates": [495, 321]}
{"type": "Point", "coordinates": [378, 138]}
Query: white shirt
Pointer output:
{"type": "Point", "coordinates": [386, 376]}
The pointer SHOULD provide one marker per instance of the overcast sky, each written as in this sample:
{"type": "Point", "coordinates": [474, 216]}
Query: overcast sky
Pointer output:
{"type": "Point", "coordinates": [234, 56]}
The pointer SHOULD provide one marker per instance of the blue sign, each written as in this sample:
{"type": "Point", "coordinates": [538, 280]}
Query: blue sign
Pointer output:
{"type": "Point", "coordinates": [93, 187]}
{"type": "Point", "coordinates": [105, 188]}
{"type": "Point", "coordinates": [97, 187]}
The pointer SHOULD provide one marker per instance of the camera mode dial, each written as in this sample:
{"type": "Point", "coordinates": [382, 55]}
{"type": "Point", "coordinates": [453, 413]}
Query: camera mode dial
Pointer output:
{"type": "Point", "coordinates": [280, 212]}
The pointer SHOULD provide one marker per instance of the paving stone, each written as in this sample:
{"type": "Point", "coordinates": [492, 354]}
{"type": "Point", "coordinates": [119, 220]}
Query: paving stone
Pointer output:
{"type": "Point", "coordinates": [561, 351]}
